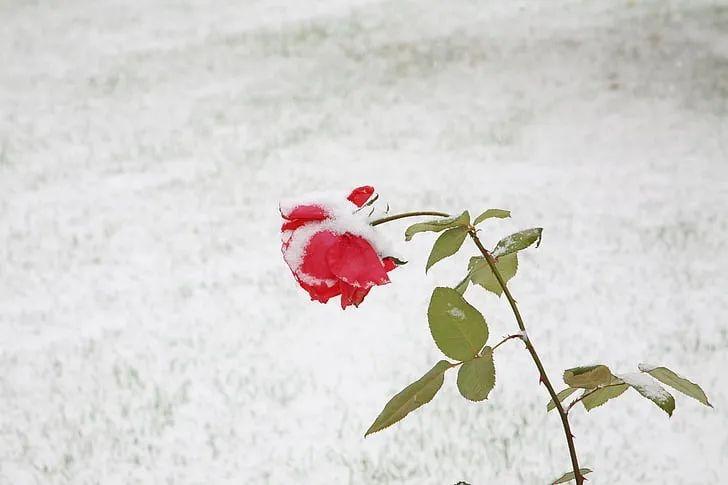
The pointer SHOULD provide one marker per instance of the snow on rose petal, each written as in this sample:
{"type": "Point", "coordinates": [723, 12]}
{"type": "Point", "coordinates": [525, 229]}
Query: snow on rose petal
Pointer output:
{"type": "Point", "coordinates": [308, 212]}
{"type": "Point", "coordinates": [330, 247]}
{"type": "Point", "coordinates": [321, 293]}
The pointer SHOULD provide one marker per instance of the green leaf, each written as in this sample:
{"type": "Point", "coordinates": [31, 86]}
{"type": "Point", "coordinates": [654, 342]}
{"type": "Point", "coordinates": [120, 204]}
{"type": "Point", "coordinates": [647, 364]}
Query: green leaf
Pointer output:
{"type": "Point", "coordinates": [588, 377]}
{"type": "Point", "coordinates": [569, 476]}
{"type": "Point", "coordinates": [516, 242]}
{"type": "Point", "coordinates": [476, 378]}
{"type": "Point", "coordinates": [446, 245]}
{"type": "Point", "coordinates": [459, 330]}
{"type": "Point", "coordinates": [650, 389]}
{"type": "Point", "coordinates": [670, 378]}
{"type": "Point", "coordinates": [601, 396]}
{"type": "Point", "coordinates": [561, 395]}
{"type": "Point", "coordinates": [481, 274]}
{"type": "Point", "coordinates": [499, 213]}
{"type": "Point", "coordinates": [411, 397]}
{"type": "Point", "coordinates": [437, 225]}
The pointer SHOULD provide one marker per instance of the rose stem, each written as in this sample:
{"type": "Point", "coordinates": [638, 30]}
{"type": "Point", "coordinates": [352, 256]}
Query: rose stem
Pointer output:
{"type": "Point", "coordinates": [376, 222]}
{"type": "Point", "coordinates": [529, 345]}
{"type": "Point", "coordinates": [531, 349]}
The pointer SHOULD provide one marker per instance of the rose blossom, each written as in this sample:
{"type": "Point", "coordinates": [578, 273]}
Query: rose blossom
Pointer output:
{"type": "Point", "coordinates": [330, 247]}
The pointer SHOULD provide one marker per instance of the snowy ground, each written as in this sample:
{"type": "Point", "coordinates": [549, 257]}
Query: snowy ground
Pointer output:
{"type": "Point", "coordinates": [151, 332]}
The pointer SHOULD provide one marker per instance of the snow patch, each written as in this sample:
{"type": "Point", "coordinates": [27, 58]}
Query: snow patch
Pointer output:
{"type": "Point", "coordinates": [331, 201]}
{"type": "Point", "coordinates": [646, 385]}
{"type": "Point", "coordinates": [456, 313]}
{"type": "Point", "coordinates": [500, 251]}
{"type": "Point", "coordinates": [644, 367]}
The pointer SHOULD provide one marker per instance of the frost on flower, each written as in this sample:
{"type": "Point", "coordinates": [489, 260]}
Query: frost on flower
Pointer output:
{"type": "Point", "coordinates": [331, 248]}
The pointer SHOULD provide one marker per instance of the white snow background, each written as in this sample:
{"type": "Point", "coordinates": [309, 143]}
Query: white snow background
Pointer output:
{"type": "Point", "coordinates": [151, 332]}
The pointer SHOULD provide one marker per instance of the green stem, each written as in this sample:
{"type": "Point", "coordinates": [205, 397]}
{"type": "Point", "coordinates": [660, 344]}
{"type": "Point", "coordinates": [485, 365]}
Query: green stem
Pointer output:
{"type": "Point", "coordinates": [529, 345]}
{"type": "Point", "coordinates": [376, 222]}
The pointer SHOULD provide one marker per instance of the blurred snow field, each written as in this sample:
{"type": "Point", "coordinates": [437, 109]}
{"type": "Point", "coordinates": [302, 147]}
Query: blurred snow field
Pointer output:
{"type": "Point", "coordinates": [152, 333]}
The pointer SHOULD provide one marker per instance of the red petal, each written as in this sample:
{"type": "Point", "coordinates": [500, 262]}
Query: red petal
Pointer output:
{"type": "Point", "coordinates": [314, 267]}
{"type": "Point", "coordinates": [360, 195]}
{"type": "Point", "coordinates": [307, 213]}
{"type": "Point", "coordinates": [315, 263]}
{"type": "Point", "coordinates": [292, 225]}
{"type": "Point", "coordinates": [354, 261]}
{"type": "Point", "coordinates": [389, 264]}
{"type": "Point", "coordinates": [351, 295]}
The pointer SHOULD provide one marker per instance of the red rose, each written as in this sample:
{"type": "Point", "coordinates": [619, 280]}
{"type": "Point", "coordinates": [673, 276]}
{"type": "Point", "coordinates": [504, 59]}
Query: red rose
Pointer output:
{"type": "Point", "coordinates": [330, 247]}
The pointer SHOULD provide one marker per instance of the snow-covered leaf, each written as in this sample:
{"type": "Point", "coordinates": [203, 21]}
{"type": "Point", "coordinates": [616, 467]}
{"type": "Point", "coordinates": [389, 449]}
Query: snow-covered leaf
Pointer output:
{"type": "Point", "coordinates": [459, 330]}
{"type": "Point", "coordinates": [561, 395]}
{"type": "Point", "coordinates": [670, 378]}
{"type": "Point", "coordinates": [446, 245]}
{"type": "Point", "coordinates": [569, 476]}
{"type": "Point", "coordinates": [499, 213]}
{"type": "Point", "coordinates": [588, 377]}
{"type": "Point", "coordinates": [437, 225]}
{"type": "Point", "coordinates": [650, 389]}
{"type": "Point", "coordinates": [518, 241]}
{"type": "Point", "coordinates": [481, 274]}
{"type": "Point", "coordinates": [476, 378]}
{"type": "Point", "coordinates": [411, 397]}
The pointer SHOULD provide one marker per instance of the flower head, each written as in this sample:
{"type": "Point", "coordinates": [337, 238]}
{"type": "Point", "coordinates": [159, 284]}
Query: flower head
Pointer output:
{"type": "Point", "coordinates": [331, 248]}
